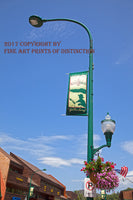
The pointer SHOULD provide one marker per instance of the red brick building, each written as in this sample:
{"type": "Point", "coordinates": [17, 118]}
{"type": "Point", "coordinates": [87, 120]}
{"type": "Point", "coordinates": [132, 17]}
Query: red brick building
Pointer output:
{"type": "Point", "coordinates": [71, 195]}
{"type": "Point", "coordinates": [126, 194]}
{"type": "Point", "coordinates": [15, 177]}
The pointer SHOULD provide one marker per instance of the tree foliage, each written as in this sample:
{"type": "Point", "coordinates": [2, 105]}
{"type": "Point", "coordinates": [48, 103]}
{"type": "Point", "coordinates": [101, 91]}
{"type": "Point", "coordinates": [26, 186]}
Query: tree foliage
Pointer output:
{"type": "Point", "coordinates": [113, 196]}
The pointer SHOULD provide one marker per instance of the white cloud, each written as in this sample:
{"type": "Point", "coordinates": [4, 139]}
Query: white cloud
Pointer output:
{"type": "Point", "coordinates": [48, 145]}
{"type": "Point", "coordinates": [128, 146]}
{"type": "Point", "coordinates": [49, 139]}
{"type": "Point", "coordinates": [35, 146]}
{"type": "Point", "coordinates": [76, 161]}
{"type": "Point", "coordinates": [58, 162]}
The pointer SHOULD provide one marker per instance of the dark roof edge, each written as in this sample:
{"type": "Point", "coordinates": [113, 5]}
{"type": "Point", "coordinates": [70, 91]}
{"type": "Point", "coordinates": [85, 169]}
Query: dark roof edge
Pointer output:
{"type": "Point", "coordinates": [10, 157]}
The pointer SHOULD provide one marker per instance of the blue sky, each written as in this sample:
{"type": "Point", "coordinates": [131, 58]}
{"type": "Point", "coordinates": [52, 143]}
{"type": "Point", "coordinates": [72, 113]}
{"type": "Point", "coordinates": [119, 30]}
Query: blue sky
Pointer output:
{"type": "Point", "coordinates": [33, 86]}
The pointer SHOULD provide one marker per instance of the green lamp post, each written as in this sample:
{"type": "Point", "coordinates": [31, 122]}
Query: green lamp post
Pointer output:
{"type": "Point", "coordinates": [31, 191]}
{"type": "Point", "coordinates": [38, 22]}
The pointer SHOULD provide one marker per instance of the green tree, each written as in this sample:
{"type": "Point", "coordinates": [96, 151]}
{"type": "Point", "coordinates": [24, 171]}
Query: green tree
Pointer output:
{"type": "Point", "coordinates": [80, 195]}
{"type": "Point", "coordinates": [113, 196]}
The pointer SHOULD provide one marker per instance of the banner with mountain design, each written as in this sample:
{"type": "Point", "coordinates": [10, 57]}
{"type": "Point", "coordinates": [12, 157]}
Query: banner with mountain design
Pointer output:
{"type": "Point", "coordinates": [77, 94]}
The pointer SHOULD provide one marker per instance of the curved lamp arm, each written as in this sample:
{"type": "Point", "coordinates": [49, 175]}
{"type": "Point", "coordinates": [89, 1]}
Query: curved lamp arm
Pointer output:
{"type": "Point", "coordinates": [97, 149]}
{"type": "Point", "coordinates": [39, 23]}
{"type": "Point", "coordinates": [79, 23]}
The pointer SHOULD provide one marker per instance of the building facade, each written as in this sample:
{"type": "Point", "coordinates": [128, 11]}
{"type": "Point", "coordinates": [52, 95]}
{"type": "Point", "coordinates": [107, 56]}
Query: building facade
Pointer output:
{"type": "Point", "coordinates": [71, 195]}
{"type": "Point", "coordinates": [16, 175]}
{"type": "Point", "coordinates": [126, 194]}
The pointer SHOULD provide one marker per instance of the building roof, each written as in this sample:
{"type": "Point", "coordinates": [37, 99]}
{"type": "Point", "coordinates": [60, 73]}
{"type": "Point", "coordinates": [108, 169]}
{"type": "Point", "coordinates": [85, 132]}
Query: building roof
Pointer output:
{"type": "Point", "coordinates": [60, 184]}
{"type": "Point", "coordinates": [128, 189]}
{"type": "Point", "coordinates": [10, 157]}
{"type": "Point", "coordinates": [36, 169]}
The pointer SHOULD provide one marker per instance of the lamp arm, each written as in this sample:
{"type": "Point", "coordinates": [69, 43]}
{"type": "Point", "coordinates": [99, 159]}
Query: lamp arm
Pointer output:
{"type": "Point", "coordinates": [74, 21]}
{"type": "Point", "coordinates": [97, 149]}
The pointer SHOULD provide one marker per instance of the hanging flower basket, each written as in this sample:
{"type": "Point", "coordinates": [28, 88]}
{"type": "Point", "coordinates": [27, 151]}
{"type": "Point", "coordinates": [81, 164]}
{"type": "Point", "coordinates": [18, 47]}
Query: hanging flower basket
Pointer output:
{"type": "Point", "coordinates": [93, 177]}
{"type": "Point", "coordinates": [102, 174]}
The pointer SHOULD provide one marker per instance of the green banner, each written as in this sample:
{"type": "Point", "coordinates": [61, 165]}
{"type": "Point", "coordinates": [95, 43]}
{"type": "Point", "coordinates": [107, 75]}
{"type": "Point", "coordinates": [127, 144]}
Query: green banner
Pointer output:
{"type": "Point", "coordinates": [77, 94]}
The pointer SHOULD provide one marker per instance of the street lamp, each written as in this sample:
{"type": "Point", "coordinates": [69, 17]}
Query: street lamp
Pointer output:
{"type": "Point", "coordinates": [108, 128]}
{"type": "Point", "coordinates": [31, 180]}
{"type": "Point", "coordinates": [38, 22]}
{"type": "Point", "coordinates": [103, 194]}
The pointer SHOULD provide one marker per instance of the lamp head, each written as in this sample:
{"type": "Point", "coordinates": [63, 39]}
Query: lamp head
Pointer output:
{"type": "Point", "coordinates": [35, 21]}
{"type": "Point", "coordinates": [108, 128]}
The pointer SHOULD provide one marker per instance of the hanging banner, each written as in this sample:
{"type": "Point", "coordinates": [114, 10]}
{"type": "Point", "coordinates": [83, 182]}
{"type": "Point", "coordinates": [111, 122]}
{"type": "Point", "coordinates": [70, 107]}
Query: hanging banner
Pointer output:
{"type": "Point", "coordinates": [77, 94]}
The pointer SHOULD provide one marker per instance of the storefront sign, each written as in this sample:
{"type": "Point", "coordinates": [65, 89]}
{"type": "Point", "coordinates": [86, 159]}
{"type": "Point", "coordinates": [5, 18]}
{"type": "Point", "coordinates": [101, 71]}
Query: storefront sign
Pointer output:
{"type": "Point", "coordinates": [19, 179]}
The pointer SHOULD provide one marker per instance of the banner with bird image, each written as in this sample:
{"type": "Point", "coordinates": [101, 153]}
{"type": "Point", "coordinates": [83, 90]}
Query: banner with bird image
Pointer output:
{"type": "Point", "coordinates": [77, 94]}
